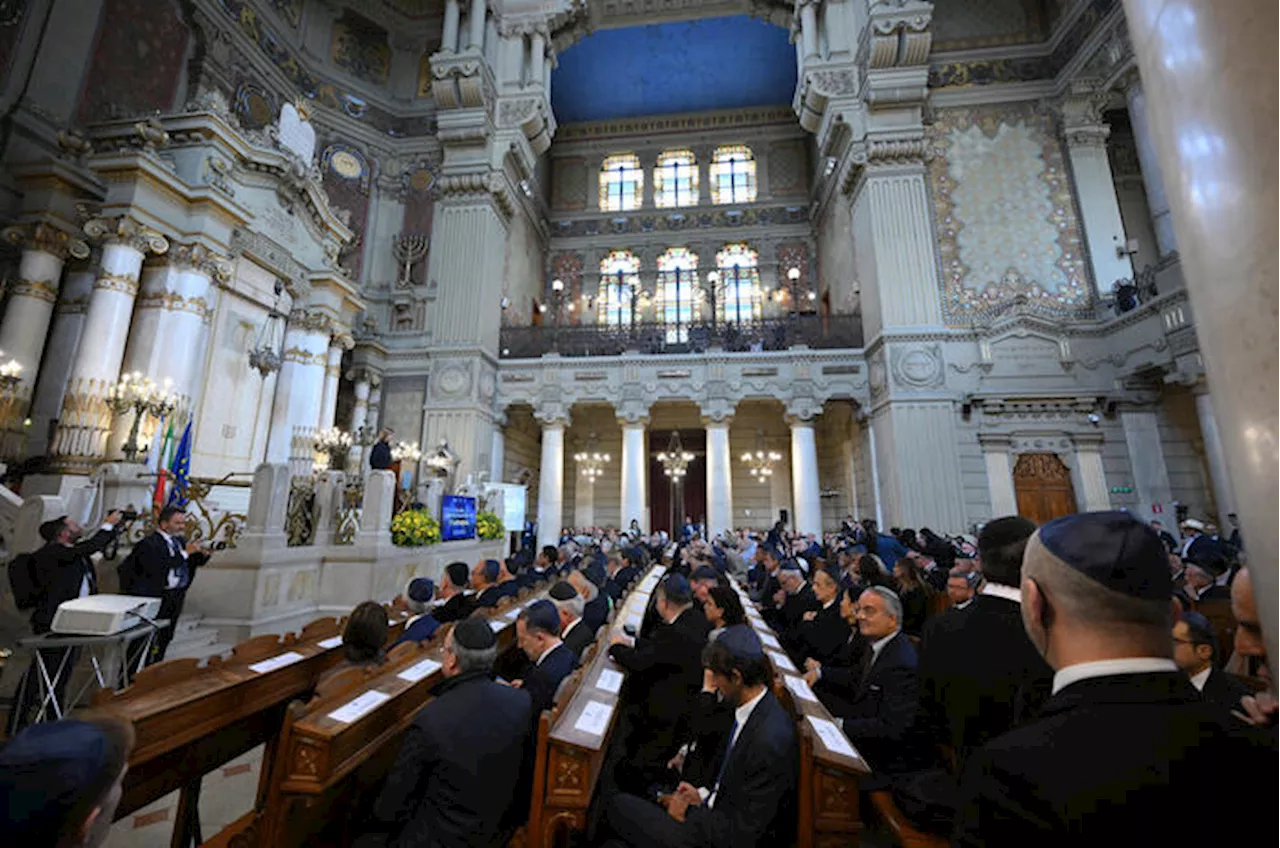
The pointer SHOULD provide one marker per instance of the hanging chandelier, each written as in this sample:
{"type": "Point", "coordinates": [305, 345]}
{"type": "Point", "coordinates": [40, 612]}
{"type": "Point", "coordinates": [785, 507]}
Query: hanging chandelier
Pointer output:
{"type": "Point", "coordinates": [760, 461]}
{"type": "Point", "coordinates": [265, 356]}
{"type": "Point", "coordinates": [591, 461]}
{"type": "Point", "coordinates": [675, 459]}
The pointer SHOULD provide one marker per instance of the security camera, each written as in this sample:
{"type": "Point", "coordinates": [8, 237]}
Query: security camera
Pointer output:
{"type": "Point", "coordinates": [1094, 419]}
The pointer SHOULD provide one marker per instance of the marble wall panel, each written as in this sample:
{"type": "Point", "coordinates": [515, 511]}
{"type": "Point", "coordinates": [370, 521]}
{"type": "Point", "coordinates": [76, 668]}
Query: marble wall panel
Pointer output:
{"type": "Point", "coordinates": [138, 59]}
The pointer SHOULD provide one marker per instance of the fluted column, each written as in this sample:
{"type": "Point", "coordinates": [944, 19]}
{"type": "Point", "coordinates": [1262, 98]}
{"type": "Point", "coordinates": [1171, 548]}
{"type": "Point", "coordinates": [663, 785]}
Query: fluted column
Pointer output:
{"type": "Point", "coordinates": [1152, 178]}
{"type": "Point", "coordinates": [32, 296]}
{"type": "Point", "coordinates": [995, 455]}
{"type": "Point", "coordinates": [1146, 458]}
{"type": "Point", "coordinates": [719, 476]}
{"type": "Point", "coordinates": [635, 467]}
{"type": "Point", "coordinates": [475, 25]}
{"type": "Point", "coordinates": [359, 415]}
{"type": "Point", "coordinates": [1094, 495]}
{"type": "Point", "coordinates": [301, 382]}
{"type": "Point", "coordinates": [85, 420]}
{"type": "Point", "coordinates": [804, 476]}
{"type": "Point", "coordinates": [498, 451]}
{"type": "Point", "coordinates": [373, 416]}
{"type": "Point", "coordinates": [1224, 496]}
{"type": "Point", "coordinates": [551, 481]}
{"type": "Point", "coordinates": [537, 57]}
{"type": "Point", "coordinates": [332, 378]}
{"type": "Point", "coordinates": [809, 29]}
{"type": "Point", "coordinates": [64, 340]}
{"type": "Point", "coordinates": [449, 39]}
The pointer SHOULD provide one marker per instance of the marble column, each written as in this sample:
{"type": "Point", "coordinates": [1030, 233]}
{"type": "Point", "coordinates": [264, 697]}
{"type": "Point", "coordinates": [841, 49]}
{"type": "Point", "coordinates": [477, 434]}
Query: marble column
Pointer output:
{"type": "Point", "coordinates": [1086, 138]}
{"type": "Point", "coordinates": [1224, 498]}
{"type": "Point", "coordinates": [64, 340]}
{"type": "Point", "coordinates": [497, 451]}
{"type": "Point", "coordinates": [1152, 178]}
{"type": "Point", "coordinates": [719, 476]}
{"type": "Point", "coordinates": [1094, 495]}
{"type": "Point", "coordinates": [31, 298]}
{"type": "Point", "coordinates": [537, 57]}
{"type": "Point", "coordinates": [635, 467]}
{"type": "Point", "coordinates": [584, 501]}
{"type": "Point", "coordinates": [332, 376]}
{"type": "Point", "coordinates": [449, 39]}
{"type": "Point", "coordinates": [374, 416]}
{"type": "Point", "coordinates": [85, 420]}
{"type": "Point", "coordinates": [809, 29]}
{"type": "Point", "coordinates": [1146, 458]}
{"type": "Point", "coordinates": [804, 476]}
{"type": "Point", "coordinates": [359, 416]}
{"type": "Point", "coordinates": [551, 482]}
{"type": "Point", "coordinates": [300, 385]}
{"type": "Point", "coordinates": [475, 25]}
{"type": "Point", "coordinates": [995, 455]}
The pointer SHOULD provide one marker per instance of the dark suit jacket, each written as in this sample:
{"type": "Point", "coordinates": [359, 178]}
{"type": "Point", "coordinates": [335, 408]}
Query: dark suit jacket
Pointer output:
{"type": "Point", "coordinates": [979, 674]}
{"type": "Point", "coordinates": [880, 718]}
{"type": "Point", "coordinates": [380, 456]}
{"type": "Point", "coordinates": [823, 637]}
{"type": "Point", "coordinates": [456, 608]}
{"type": "Point", "coordinates": [664, 670]}
{"type": "Point", "coordinates": [146, 570]}
{"type": "Point", "coordinates": [578, 638]}
{"type": "Point", "coordinates": [595, 612]}
{"type": "Point", "coordinates": [58, 571]}
{"type": "Point", "coordinates": [1224, 691]}
{"type": "Point", "coordinates": [838, 685]}
{"type": "Point", "coordinates": [915, 606]}
{"type": "Point", "coordinates": [422, 629]}
{"type": "Point", "coordinates": [790, 616]}
{"type": "Point", "coordinates": [1206, 552]}
{"type": "Point", "coordinates": [1108, 763]}
{"type": "Point", "coordinates": [509, 589]}
{"type": "Point", "coordinates": [457, 772]}
{"type": "Point", "coordinates": [489, 596]}
{"type": "Point", "coordinates": [755, 801]}
{"type": "Point", "coordinates": [542, 679]}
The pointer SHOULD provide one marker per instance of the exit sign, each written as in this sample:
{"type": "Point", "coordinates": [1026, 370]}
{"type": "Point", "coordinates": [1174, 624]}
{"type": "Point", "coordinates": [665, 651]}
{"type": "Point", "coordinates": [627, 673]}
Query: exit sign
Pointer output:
{"type": "Point", "coordinates": [1122, 490]}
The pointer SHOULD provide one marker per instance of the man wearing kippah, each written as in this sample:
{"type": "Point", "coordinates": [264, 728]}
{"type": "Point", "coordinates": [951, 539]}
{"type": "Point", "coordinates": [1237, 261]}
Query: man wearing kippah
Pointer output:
{"type": "Point", "coordinates": [1124, 736]}
{"type": "Point", "coordinates": [459, 601]}
{"type": "Point", "coordinates": [423, 625]}
{"type": "Point", "coordinates": [550, 662]}
{"type": "Point", "coordinates": [484, 579]}
{"type": "Point", "coordinates": [457, 776]}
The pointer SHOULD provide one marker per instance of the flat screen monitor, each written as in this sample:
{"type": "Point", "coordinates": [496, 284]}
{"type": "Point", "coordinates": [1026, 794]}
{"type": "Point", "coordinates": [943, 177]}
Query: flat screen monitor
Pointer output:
{"type": "Point", "coordinates": [457, 518]}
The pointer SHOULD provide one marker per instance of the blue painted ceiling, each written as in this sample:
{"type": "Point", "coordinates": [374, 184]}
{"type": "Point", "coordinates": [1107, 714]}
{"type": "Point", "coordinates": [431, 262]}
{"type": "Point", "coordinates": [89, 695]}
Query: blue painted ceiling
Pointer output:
{"type": "Point", "coordinates": [661, 69]}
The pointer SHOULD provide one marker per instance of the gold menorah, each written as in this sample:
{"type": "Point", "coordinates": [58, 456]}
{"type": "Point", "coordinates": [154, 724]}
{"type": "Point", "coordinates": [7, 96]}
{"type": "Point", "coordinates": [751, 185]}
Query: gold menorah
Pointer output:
{"type": "Point", "coordinates": [408, 248]}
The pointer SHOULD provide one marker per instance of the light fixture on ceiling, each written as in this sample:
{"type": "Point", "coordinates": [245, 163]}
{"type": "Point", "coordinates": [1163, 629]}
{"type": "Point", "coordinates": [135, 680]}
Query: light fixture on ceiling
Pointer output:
{"type": "Point", "coordinates": [675, 459]}
{"type": "Point", "coordinates": [760, 462]}
{"type": "Point", "coordinates": [591, 460]}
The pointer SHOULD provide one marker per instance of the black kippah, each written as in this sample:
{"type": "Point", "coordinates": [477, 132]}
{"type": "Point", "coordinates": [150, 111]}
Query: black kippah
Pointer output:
{"type": "Point", "coordinates": [474, 634]}
{"type": "Point", "coordinates": [1113, 549]}
{"type": "Point", "coordinates": [51, 528]}
{"type": "Point", "coordinates": [458, 573]}
{"type": "Point", "coordinates": [562, 591]}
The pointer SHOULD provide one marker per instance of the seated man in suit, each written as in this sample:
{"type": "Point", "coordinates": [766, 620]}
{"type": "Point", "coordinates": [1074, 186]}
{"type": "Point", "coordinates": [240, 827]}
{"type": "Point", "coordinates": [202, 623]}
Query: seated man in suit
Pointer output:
{"type": "Point", "coordinates": [459, 601]}
{"type": "Point", "coordinates": [569, 604]}
{"type": "Point", "coordinates": [701, 580]}
{"type": "Point", "coordinates": [1124, 732]}
{"type": "Point", "coordinates": [484, 579]}
{"type": "Point", "coordinates": [822, 632]}
{"type": "Point", "coordinates": [508, 582]}
{"type": "Point", "coordinates": [423, 625]}
{"type": "Point", "coordinates": [595, 604]}
{"type": "Point", "coordinates": [162, 565]}
{"type": "Point", "coordinates": [797, 598]}
{"type": "Point", "coordinates": [1195, 649]}
{"type": "Point", "coordinates": [538, 635]}
{"type": "Point", "coordinates": [750, 801]}
{"type": "Point", "coordinates": [457, 775]}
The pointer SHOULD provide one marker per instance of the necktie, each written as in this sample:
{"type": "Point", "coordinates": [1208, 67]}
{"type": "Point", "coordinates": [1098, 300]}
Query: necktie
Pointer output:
{"type": "Point", "coordinates": [724, 763]}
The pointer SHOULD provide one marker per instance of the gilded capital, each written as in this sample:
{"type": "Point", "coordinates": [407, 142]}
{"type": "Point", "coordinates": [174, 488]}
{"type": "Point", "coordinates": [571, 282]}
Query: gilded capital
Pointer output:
{"type": "Point", "coordinates": [124, 230]}
{"type": "Point", "coordinates": [311, 322]}
{"type": "Point", "coordinates": [200, 258]}
{"type": "Point", "coordinates": [39, 236]}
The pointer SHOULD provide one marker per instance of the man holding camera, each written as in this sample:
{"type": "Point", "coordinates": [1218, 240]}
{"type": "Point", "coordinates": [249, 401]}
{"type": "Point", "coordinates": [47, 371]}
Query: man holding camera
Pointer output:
{"type": "Point", "coordinates": [162, 566]}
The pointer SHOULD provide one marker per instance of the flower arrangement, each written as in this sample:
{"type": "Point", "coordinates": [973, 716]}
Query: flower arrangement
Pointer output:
{"type": "Point", "coordinates": [489, 525]}
{"type": "Point", "coordinates": [415, 528]}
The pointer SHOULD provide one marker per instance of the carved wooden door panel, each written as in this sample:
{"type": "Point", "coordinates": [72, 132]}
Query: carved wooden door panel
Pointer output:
{"type": "Point", "coordinates": [1043, 486]}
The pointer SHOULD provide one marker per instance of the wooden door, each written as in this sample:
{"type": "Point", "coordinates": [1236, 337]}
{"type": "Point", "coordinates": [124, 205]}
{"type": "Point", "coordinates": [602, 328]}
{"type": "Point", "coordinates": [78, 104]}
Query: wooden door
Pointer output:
{"type": "Point", "coordinates": [1043, 486]}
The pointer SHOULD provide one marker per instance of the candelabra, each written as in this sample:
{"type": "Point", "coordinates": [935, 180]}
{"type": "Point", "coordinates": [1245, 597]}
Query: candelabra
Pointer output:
{"type": "Point", "coordinates": [140, 394]}
{"type": "Point", "coordinates": [406, 452]}
{"type": "Point", "coordinates": [675, 459]}
{"type": "Point", "coordinates": [10, 377]}
{"type": "Point", "coordinates": [408, 250]}
{"type": "Point", "coordinates": [591, 461]}
{"type": "Point", "coordinates": [760, 461]}
{"type": "Point", "coordinates": [265, 356]}
{"type": "Point", "coordinates": [334, 444]}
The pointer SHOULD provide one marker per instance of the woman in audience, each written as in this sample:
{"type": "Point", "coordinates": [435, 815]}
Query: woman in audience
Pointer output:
{"type": "Point", "coordinates": [871, 572]}
{"type": "Point", "coordinates": [723, 609]}
{"type": "Point", "coordinates": [915, 594]}
{"type": "Point", "coordinates": [363, 639]}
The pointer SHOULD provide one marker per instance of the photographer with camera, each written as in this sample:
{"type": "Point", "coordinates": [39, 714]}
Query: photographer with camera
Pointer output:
{"type": "Point", "coordinates": [58, 571]}
{"type": "Point", "coordinates": [162, 565]}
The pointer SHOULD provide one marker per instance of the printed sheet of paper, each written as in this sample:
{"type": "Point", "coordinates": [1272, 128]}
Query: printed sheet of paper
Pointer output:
{"type": "Point", "coordinates": [496, 625]}
{"type": "Point", "coordinates": [594, 718]}
{"type": "Point", "coordinates": [832, 736]}
{"type": "Point", "coordinates": [331, 642]}
{"type": "Point", "coordinates": [800, 688]}
{"type": "Point", "coordinates": [361, 706]}
{"type": "Point", "coordinates": [781, 661]}
{"type": "Point", "coordinates": [768, 639]}
{"type": "Point", "coordinates": [419, 670]}
{"type": "Point", "coordinates": [287, 658]}
{"type": "Point", "coordinates": [609, 680]}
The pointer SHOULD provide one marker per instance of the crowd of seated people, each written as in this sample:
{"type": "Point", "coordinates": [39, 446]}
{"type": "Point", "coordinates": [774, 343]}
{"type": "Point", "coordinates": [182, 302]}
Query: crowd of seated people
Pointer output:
{"type": "Point", "coordinates": [1027, 684]}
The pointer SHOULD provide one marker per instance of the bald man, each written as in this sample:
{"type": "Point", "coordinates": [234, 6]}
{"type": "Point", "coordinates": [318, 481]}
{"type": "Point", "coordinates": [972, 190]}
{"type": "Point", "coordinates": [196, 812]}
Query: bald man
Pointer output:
{"type": "Point", "coordinates": [1258, 710]}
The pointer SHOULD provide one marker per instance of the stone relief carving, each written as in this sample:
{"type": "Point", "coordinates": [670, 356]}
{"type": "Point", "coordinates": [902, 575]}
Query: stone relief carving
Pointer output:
{"type": "Point", "coordinates": [917, 367]}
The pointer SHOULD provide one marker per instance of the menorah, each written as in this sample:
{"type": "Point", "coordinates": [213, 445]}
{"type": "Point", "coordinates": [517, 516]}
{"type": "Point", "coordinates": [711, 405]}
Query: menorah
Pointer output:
{"type": "Point", "coordinates": [408, 248]}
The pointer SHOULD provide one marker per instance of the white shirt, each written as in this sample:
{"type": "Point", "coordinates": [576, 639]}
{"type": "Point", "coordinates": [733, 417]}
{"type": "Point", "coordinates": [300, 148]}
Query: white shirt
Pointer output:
{"type": "Point", "coordinates": [740, 716]}
{"type": "Point", "coordinates": [964, 604]}
{"type": "Point", "coordinates": [85, 589]}
{"type": "Point", "coordinates": [878, 645]}
{"type": "Point", "coordinates": [172, 581]}
{"type": "Point", "coordinates": [1106, 668]}
{"type": "Point", "coordinates": [998, 591]}
{"type": "Point", "coordinates": [543, 655]}
{"type": "Point", "coordinates": [569, 627]}
{"type": "Point", "coordinates": [1199, 680]}
{"type": "Point", "coordinates": [828, 604]}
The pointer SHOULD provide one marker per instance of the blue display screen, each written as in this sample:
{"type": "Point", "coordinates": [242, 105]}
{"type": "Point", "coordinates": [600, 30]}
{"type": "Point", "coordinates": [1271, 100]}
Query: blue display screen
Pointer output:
{"type": "Point", "coordinates": [457, 518]}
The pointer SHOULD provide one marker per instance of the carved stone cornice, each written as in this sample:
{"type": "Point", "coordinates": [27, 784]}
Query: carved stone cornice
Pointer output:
{"type": "Point", "coordinates": [481, 186]}
{"type": "Point", "coordinates": [39, 236]}
{"type": "Point", "coordinates": [200, 258]}
{"type": "Point", "coordinates": [310, 322]}
{"type": "Point", "coordinates": [124, 230]}
{"type": "Point", "coordinates": [461, 81]}
{"type": "Point", "coordinates": [898, 34]}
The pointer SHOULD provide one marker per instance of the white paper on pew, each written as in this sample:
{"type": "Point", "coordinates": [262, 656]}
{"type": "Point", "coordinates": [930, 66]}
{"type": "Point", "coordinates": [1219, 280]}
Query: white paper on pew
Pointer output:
{"type": "Point", "coordinates": [634, 621]}
{"type": "Point", "coordinates": [497, 624]}
{"type": "Point", "coordinates": [768, 638]}
{"type": "Point", "coordinates": [419, 670]}
{"type": "Point", "coordinates": [609, 680]}
{"type": "Point", "coordinates": [594, 718]}
{"type": "Point", "coordinates": [832, 736]}
{"type": "Point", "coordinates": [359, 707]}
{"type": "Point", "coordinates": [287, 658]}
{"type": "Point", "coordinates": [331, 642]}
{"type": "Point", "coordinates": [800, 688]}
{"type": "Point", "coordinates": [781, 661]}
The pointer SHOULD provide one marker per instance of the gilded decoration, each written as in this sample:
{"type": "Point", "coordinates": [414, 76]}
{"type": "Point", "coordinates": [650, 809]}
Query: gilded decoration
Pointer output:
{"type": "Point", "coordinates": [360, 48]}
{"type": "Point", "coordinates": [116, 282]}
{"type": "Point", "coordinates": [39, 289]}
{"type": "Point", "coordinates": [172, 302]}
{"type": "Point", "coordinates": [1005, 215]}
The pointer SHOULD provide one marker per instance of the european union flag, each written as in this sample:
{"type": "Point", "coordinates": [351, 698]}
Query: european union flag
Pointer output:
{"type": "Point", "coordinates": [180, 470]}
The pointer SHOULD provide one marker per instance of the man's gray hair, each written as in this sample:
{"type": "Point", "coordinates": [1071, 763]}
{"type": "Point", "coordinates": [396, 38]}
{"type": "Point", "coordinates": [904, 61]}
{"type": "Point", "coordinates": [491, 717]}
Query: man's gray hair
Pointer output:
{"type": "Point", "coordinates": [574, 605]}
{"type": "Point", "coordinates": [474, 659]}
{"type": "Point", "coordinates": [891, 600]}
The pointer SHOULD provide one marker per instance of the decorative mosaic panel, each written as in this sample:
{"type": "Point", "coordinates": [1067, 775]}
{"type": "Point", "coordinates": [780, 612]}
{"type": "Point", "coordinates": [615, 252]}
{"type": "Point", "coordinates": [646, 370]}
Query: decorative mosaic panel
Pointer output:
{"type": "Point", "coordinates": [418, 186]}
{"type": "Point", "coordinates": [360, 48]}
{"type": "Point", "coordinates": [347, 177]}
{"type": "Point", "coordinates": [1006, 219]}
{"type": "Point", "coordinates": [137, 59]}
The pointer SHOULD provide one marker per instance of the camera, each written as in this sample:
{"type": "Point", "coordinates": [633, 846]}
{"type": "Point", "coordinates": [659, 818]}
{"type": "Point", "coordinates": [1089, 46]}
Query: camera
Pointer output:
{"type": "Point", "coordinates": [127, 515]}
{"type": "Point", "coordinates": [218, 546]}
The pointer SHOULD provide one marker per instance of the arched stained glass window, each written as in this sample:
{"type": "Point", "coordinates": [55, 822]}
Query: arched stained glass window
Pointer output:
{"type": "Point", "coordinates": [619, 284]}
{"type": "Point", "coordinates": [738, 292]}
{"type": "Point", "coordinates": [621, 183]}
{"type": "Point", "coordinates": [677, 281]}
{"type": "Point", "coordinates": [675, 179]}
{"type": "Point", "coordinates": [733, 175]}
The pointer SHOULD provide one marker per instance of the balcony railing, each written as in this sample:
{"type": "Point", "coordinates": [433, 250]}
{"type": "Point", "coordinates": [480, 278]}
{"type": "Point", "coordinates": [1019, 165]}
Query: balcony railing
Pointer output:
{"type": "Point", "coordinates": [772, 334]}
